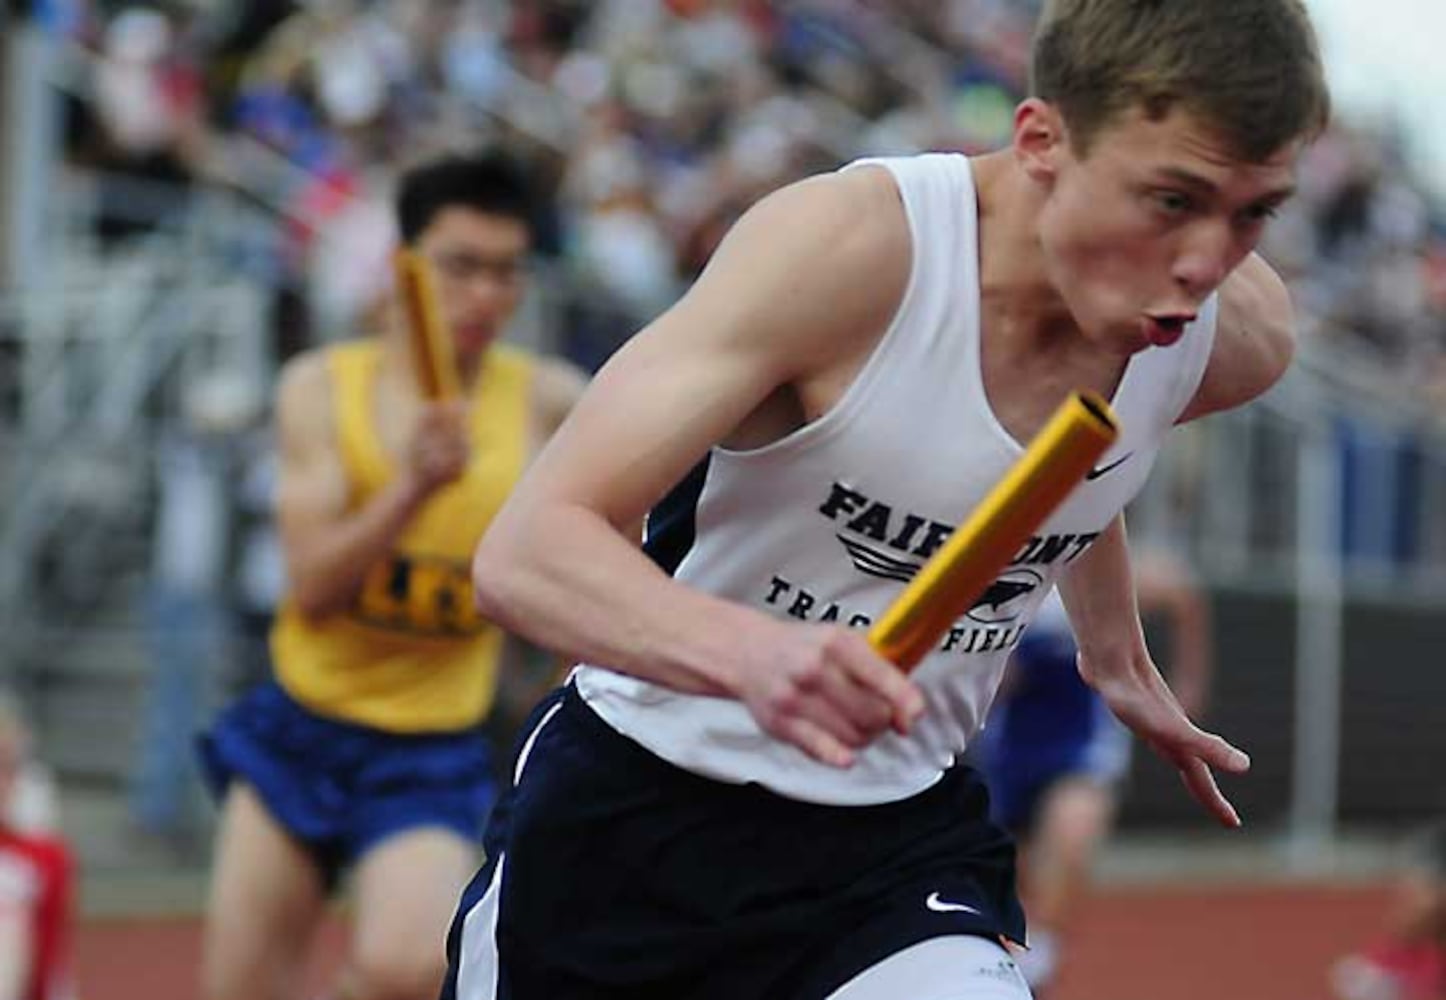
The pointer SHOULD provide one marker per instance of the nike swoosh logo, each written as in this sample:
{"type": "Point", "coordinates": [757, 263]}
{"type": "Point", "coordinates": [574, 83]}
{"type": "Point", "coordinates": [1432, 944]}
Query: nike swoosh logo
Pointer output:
{"type": "Point", "coordinates": [1104, 470]}
{"type": "Point", "coordinates": [943, 906]}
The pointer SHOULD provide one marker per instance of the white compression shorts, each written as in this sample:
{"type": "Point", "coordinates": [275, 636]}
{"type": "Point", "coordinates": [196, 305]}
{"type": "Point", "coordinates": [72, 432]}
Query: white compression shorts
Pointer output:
{"type": "Point", "coordinates": [958, 967]}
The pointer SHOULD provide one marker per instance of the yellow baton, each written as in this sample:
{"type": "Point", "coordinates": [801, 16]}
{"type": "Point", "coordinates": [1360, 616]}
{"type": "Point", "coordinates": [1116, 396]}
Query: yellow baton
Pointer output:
{"type": "Point", "coordinates": [956, 576]}
{"type": "Point", "coordinates": [431, 345]}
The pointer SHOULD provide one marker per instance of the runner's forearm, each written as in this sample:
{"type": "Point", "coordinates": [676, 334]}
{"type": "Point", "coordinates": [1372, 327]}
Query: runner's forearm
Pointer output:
{"type": "Point", "coordinates": [566, 579]}
{"type": "Point", "coordinates": [332, 562]}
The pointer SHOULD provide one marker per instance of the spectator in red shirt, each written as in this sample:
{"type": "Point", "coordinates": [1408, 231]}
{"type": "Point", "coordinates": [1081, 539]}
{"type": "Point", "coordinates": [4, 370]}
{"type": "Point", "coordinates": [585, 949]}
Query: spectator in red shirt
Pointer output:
{"type": "Point", "coordinates": [35, 885]}
{"type": "Point", "coordinates": [1407, 959]}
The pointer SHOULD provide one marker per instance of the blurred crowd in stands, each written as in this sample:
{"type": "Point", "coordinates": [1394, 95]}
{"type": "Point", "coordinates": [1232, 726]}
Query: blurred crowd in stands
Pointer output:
{"type": "Point", "coordinates": [654, 122]}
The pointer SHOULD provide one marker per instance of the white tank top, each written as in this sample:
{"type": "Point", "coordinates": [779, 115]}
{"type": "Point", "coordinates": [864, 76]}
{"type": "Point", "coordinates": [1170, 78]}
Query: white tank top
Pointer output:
{"type": "Point", "coordinates": [828, 523]}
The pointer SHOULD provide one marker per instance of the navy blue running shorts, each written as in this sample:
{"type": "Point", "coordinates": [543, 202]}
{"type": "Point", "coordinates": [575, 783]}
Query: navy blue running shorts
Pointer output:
{"type": "Point", "coordinates": [613, 874]}
{"type": "Point", "coordinates": [339, 787]}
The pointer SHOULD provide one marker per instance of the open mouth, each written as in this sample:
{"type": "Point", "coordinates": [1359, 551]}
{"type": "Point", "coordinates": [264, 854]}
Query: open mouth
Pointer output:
{"type": "Point", "coordinates": [1165, 330]}
{"type": "Point", "coordinates": [472, 334]}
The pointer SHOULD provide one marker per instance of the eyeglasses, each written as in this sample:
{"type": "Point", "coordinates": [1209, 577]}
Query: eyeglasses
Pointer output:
{"type": "Point", "coordinates": [465, 267]}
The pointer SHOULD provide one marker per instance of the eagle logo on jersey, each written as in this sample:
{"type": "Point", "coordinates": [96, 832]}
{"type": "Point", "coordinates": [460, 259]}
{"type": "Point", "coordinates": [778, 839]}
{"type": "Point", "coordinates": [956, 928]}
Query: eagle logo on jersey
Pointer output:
{"type": "Point", "coordinates": [1000, 603]}
{"type": "Point", "coordinates": [875, 563]}
{"type": "Point", "coordinates": [1004, 601]}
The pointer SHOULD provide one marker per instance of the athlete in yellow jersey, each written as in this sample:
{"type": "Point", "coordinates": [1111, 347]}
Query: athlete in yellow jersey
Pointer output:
{"type": "Point", "coordinates": [365, 749]}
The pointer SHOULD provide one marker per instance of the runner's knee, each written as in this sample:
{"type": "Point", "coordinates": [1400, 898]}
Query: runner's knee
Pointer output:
{"type": "Point", "coordinates": [397, 971]}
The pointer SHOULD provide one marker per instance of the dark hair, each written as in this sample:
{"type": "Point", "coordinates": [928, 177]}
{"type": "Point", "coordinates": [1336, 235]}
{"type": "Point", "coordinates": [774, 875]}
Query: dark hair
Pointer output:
{"type": "Point", "coordinates": [492, 183]}
{"type": "Point", "coordinates": [1249, 69]}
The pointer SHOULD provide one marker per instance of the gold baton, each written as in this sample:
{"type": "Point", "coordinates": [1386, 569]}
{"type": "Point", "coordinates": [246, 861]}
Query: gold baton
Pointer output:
{"type": "Point", "coordinates": [431, 346]}
{"type": "Point", "coordinates": [956, 576]}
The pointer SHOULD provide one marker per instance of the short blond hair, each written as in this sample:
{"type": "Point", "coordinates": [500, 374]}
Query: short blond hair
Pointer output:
{"type": "Point", "coordinates": [1249, 69]}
